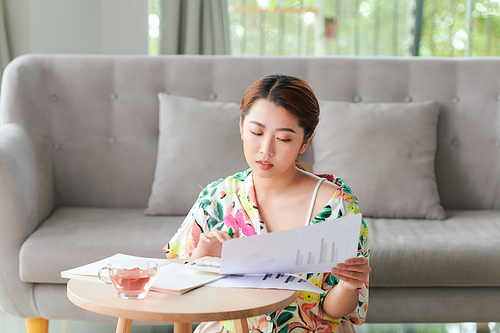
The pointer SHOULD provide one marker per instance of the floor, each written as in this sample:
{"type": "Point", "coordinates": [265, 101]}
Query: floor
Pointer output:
{"type": "Point", "coordinates": [11, 324]}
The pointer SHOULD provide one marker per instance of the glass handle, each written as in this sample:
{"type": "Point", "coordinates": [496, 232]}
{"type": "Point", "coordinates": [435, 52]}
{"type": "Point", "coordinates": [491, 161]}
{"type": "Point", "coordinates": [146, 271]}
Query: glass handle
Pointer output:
{"type": "Point", "coordinates": [104, 280]}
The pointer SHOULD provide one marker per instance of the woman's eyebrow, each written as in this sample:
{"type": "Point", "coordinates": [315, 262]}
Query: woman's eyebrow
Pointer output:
{"type": "Point", "coordinates": [257, 123]}
{"type": "Point", "coordinates": [284, 129]}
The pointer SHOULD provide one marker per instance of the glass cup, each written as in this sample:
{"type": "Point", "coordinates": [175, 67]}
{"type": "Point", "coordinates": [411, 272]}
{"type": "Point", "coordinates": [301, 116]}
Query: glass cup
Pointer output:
{"type": "Point", "coordinates": [131, 278]}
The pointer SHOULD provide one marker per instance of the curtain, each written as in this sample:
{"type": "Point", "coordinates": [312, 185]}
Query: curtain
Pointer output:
{"type": "Point", "coordinates": [4, 45]}
{"type": "Point", "coordinates": [194, 27]}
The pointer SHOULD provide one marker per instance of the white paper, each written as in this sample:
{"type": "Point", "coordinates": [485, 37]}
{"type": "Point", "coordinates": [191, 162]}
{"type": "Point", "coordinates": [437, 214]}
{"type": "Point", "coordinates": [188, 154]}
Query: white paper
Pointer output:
{"type": "Point", "coordinates": [310, 249]}
{"type": "Point", "coordinates": [89, 272]}
{"type": "Point", "coordinates": [178, 278]}
{"type": "Point", "coordinates": [267, 281]}
{"type": "Point", "coordinates": [171, 277]}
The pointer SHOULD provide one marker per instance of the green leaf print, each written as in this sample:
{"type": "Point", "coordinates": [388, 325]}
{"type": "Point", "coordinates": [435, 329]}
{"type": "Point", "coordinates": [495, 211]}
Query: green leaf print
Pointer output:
{"type": "Point", "coordinates": [205, 203]}
{"type": "Point", "coordinates": [242, 175]}
{"type": "Point", "coordinates": [220, 211]}
{"type": "Point", "coordinates": [284, 329]}
{"type": "Point", "coordinates": [205, 191]}
{"type": "Point", "coordinates": [325, 213]}
{"type": "Point", "coordinates": [283, 318]}
{"type": "Point", "coordinates": [211, 223]}
{"type": "Point", "coordinates": [217, 182]}
{"type": "Point", "coordinates": [332, 280]}
{"type": "Point", "coordinates": [213, 192]}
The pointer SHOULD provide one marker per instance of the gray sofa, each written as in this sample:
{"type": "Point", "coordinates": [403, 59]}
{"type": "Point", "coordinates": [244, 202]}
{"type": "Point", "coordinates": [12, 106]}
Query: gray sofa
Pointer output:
{"type": "Point", "coordinates": [79, 145]}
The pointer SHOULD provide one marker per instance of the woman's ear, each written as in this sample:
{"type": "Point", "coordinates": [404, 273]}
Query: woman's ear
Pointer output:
{"type": "Point", "coordinates": [305, 144]}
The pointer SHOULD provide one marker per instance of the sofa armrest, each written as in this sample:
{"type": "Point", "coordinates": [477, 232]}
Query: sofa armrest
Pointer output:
{"type": "Point", "coordinates": [25, 200]}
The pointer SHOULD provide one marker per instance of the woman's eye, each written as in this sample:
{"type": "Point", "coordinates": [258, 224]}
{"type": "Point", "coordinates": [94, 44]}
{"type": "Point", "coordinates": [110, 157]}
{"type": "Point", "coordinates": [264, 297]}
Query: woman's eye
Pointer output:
{"type": "Point", "coordinates": [255, 133]}
{"type": "Point", "coordinates": [284, 140]}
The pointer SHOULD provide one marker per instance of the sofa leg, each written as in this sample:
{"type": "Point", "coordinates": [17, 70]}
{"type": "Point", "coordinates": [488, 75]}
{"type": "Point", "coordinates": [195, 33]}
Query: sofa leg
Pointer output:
{"type": "Point", "coordinates": [37, 325]}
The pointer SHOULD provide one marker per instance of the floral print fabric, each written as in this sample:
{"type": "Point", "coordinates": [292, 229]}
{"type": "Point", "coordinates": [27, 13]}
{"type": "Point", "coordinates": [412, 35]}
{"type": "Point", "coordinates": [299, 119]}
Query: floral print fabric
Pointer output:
{"type": "Point", "coordinates": [231, 202]}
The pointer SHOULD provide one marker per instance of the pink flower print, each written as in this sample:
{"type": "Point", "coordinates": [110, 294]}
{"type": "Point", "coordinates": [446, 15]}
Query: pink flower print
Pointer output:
{"type": "Point", "coordinates": [230, 221]}
{"type": "Point", "coordinates": [252, 196]}
{"type": "Point", "coordinates": [246, 228]}
{"type": "Point", "coordinates": [239, 223]}
{"type": "Point", "coordinates": [192, 238]}
{"type": "Point", "coordinates": [229, 209]}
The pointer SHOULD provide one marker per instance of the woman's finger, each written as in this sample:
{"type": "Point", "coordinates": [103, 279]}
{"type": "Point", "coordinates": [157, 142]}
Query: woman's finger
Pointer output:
{"type": "Point", "coordinates": [205, 238]}
{"type": "Point", "coordinates": [357, 261]}
{"type": "Point", "coordinates": [342, 273]}
{"type": "Point", "coordinates": [220, 235]}
{"type": "Point", "coordinates": [365, 269]}
{"type": "Point", "coordinates": [351, 281]}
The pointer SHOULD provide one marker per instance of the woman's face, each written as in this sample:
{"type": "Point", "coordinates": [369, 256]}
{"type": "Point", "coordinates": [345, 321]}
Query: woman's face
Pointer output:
{"type": "Point", "coordinates": [272, 139]}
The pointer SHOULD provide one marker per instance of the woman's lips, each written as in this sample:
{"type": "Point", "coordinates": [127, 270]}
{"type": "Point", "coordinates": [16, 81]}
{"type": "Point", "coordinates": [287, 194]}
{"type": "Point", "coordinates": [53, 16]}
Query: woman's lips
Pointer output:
{"type": "Point", "coordinates": [264, 165]}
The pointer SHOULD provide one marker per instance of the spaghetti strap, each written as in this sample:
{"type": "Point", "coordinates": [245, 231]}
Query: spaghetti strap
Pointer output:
{"type": "Point", "coordinates": [313, 200]}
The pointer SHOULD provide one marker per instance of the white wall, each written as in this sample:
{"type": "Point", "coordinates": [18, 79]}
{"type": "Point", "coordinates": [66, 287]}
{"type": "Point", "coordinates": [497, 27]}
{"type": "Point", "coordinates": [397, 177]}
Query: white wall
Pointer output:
{"type": "Point", "coordinates": [77, 26]}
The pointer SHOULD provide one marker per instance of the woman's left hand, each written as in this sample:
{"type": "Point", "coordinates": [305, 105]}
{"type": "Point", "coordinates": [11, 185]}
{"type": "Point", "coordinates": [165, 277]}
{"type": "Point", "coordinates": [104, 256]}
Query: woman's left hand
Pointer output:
{"type": "Point", "coordinates": [353, 272]}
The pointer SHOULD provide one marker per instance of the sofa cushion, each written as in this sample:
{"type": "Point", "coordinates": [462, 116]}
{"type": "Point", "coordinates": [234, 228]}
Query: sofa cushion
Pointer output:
{"type": "Point", "coordinates": [385, 152]}
{"type": "Point", "coordinates": [461, 251]}
{"type": "Point", "coordinates": [199, 143]}
{"type": "Point", "coordinates": [72, 237]}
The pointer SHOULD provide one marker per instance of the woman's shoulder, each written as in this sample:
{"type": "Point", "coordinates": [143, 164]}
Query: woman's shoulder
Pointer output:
{"type": "Point", "coordinates": [343, 191]}
{"type": "Point", "coordinates": [335, 188]}
{"type": "Point", "coordinates": [337, 182]}
{"type": "Point", "coordinates": [327, 190]}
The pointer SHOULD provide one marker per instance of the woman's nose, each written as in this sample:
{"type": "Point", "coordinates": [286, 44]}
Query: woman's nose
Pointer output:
{"type": "Point", "coordinates": [267, 147]}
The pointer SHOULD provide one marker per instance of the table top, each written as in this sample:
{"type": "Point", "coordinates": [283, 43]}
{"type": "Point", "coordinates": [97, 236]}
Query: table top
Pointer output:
{"type": "Point", "coordinates": [201, 304]}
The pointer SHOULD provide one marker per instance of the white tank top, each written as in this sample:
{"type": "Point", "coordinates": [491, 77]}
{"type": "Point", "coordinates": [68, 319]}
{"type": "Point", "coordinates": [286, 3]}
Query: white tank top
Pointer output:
{"type": "Point", "coordinates": [313, 200]}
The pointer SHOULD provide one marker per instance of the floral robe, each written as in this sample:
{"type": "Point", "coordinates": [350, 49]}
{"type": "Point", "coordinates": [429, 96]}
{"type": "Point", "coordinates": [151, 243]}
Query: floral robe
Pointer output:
{"type": "Point", "coordinates": [230, 202]}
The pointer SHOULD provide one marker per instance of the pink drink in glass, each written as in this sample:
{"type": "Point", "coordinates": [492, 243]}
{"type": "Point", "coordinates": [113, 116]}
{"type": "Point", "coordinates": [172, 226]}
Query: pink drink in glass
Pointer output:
{"type": "Point", "coordinates": [132, 283]}
{"type": "Point", "coordinates": [131, 278]}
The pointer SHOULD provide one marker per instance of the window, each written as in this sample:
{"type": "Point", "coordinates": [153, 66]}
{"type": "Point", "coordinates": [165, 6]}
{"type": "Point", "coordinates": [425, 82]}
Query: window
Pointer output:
{"type": "Point", "coordinates": [450, 28]}
{"type": "Point", "coordinates": [365, 27]}
{"type": "Point", "coordinates": [448, 24]}
{"type": "Point", "coordinates": [319, 27]}
{"type": "Point", "coordinates": [154, 26]}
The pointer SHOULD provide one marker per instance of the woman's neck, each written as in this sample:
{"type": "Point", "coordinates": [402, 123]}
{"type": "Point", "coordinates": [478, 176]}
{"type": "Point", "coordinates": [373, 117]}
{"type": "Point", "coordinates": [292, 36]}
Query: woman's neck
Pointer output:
{"type": "Point", "coordinates": [277, 186]}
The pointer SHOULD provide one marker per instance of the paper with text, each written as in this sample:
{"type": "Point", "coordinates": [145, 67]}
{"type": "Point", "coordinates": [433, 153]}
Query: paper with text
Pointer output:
{"type": "Point", "coordinates": [314, 248]}
{"type": "Point", "coordinates": [267, 281]}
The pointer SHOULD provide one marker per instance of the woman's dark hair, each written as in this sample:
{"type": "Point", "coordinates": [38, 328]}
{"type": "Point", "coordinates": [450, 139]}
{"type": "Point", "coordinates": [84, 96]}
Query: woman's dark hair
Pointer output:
{"type": "Point", "coordinates": [291, 93]}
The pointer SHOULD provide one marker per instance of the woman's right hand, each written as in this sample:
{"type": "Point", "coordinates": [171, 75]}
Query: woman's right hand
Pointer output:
{"type": "Point", "coordinates": [211, 244]}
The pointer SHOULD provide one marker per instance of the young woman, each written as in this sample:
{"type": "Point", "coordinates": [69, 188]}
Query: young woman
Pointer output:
{"type": "Point", "coordinates": [279, 114]}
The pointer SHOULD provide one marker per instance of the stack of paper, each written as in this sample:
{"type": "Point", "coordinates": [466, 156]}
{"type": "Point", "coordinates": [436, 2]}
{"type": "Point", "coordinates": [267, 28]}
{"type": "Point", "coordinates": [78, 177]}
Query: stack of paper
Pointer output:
{"type": "Point", "coordinates": [171, 277]}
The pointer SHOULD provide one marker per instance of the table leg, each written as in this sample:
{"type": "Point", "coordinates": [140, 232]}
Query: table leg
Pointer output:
{"type": "Point", "coordinates": [241, 325]}
{"type": "Point", "coordinates": [124, 325]}
{"type": "Point", "coordinates": [183, 328]}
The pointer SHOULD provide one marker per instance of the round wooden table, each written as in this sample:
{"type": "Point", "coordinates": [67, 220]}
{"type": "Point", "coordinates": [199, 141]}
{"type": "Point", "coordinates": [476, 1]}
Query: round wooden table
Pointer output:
{"type": "Point", "coordinates": [202, 304]}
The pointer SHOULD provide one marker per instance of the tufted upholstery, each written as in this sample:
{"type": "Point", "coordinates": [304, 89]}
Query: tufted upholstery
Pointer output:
{"type": "Point", "coordinates": [98, 113]}
{"type": "Point", "coordinates": [78, 146]}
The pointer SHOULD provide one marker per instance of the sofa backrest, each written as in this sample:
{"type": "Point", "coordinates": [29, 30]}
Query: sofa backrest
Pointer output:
{"type": "Point", "coordinates": [97, 116]}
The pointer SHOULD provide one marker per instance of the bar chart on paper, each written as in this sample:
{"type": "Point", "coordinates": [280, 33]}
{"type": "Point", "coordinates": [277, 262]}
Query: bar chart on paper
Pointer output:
{"type": "Point", "coordinates": [327, 253]}
{"type": "Point", "coordinates": [310, 249]}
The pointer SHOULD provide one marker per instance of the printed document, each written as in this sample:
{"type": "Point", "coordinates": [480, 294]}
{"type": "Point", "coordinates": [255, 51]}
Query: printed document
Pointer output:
{"type": "Point", "coordinates": [267, 281]}
{"type": "Point", "coordinates": [315, 248]}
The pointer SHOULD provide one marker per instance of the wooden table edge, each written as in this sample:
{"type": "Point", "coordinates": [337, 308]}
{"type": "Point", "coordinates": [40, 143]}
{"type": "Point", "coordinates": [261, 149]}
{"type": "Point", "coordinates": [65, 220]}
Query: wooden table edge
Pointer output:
{"type": "Point", "coordinates": [196, 317]}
